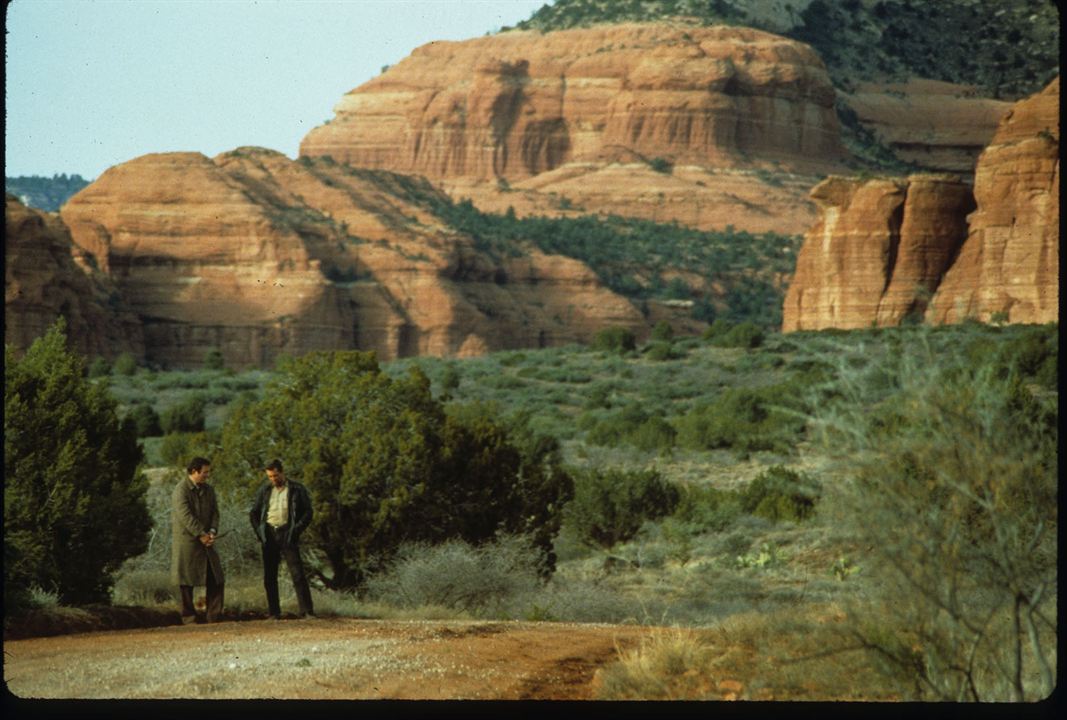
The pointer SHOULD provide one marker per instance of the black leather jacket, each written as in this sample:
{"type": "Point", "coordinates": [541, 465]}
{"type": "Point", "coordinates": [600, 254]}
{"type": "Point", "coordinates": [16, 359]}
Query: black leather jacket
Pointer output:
{"type": "Point", "coordinates": [299, 511]}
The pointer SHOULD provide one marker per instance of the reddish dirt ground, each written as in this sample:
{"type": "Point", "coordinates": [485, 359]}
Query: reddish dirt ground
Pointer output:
{"type": "Point", "coordinates": [335, 658]}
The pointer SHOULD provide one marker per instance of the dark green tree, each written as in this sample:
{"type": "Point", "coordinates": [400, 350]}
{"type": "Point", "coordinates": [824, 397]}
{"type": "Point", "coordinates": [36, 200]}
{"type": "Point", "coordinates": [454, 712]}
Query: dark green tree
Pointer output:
{"type": "Point", "coordinates": [146, 420]}
{"type": "Point", "coordinates": [186, 416]}
{"type": "Point", "coordinates": [610, 506]}
{"type": "Point", "coordinates": [615, 339]}
{"type": "Point", "coordinates": [213, 360]}
{"type": "Point", "coordinates": [384, 463]}
{"type": "Point", "coordinates": [74, 501]}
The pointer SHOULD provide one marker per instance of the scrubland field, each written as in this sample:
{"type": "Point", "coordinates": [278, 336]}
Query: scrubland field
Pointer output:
{"type": "Point", "coordinates": [863, 514]}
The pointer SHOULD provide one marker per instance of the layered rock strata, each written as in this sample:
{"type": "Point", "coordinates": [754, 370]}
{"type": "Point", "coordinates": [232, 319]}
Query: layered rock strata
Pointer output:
{"type": "Point", "coordinates": [937, 125]}
{"type": "Point", "coordinates": [1008, 268]}
{"type": "Point", "coordinates": [258, 255]}
{"type": "Point", "coordinates": [47, 276]}
{"type": "Point", "coordinates": [929, 247]}
{"type": "Point", "coordinates": [878, 251]}
{"type": "Point", "coordinates": [585, 118]}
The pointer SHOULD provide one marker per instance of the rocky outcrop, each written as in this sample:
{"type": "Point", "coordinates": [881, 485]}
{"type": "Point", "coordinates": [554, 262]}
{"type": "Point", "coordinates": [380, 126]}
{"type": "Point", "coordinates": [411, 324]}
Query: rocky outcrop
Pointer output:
{"type": "Point", "coordinates": [1009, 266]}
{"type": "Point", "coordinates": [46, 276]}
{"type": "Point", "coordinates": [258, 255]}
{"type": "Point", "coordinates": [757, 201]}
{"type": "Point", "coordinates": [928, 247]}
{"type": "Point", "coordinates": [878, 251]}
{"type": "Point", "coordinates": [936, 125]}
{"type": "Point", "coordinates": [585, 118]}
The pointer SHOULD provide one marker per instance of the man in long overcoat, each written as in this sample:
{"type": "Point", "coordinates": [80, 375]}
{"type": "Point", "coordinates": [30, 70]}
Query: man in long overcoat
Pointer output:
{"type": "Point", "coordinates": [194, 523]}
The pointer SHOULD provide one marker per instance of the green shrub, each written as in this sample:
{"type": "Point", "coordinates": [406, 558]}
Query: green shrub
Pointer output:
{"type": "Point", "coordinates": [745, 419]}
{"type": "Point", "coordinates": [661, 165]}
{"type": "Point", "coordinates": [74, 503]}
{"type": "Point", "coordinates": [653, 434]}
{"type": "Point", "coordinates": [213, 360]}
{"type": "Point", "coordinates": [385, 464]}
{"type": "Point", "coordinates": [449, 380]}
{"type": "Point", "coordinates": [609, 506]}
{"type": "Point", "coordinates": [599, 395]}
{"type": "Point", "coordinates": [146, 420]}
{"type": "Point", "coordinates": [124, 365]}
{"type": "Point", "coordinates": [705, 508]}
{"type": "Point", "coordinates": [630, 425]}
{"type": "Point", "coordinates": [717, 329]}
{"type": "Point", "coordinates": [615, 339]}
{"type": "Point", "coordinates": [178, 447]}
{"type": "Point", "coordinates": [99, 367]}
{"type": "Point", "coordinates": [183, 379]}
{"type": "Point", "coordinates": [954, 495]}
{"type": "Point", "coordinates": [1033, 354]}
{"type": "Point", "coordinates": [779, 493]}
{"type": "Point", "coordinates": [660, 351]}
{"type": "Point", "coordinates": [186, 416]}
{"type": "Point", "coordinates": [742, 335]}
{"type": "Point", "coordinates": [662, 332]}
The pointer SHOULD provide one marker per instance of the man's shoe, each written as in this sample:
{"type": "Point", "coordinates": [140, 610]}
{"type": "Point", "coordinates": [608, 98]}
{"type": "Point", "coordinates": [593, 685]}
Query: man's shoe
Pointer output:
{"type": "Point", "coordinates": [274, 617]}
{"type": "Point", "coordinates": [308, 616]}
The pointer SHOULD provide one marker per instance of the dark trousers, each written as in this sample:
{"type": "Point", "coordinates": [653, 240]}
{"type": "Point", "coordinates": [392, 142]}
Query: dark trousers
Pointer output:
{"type": "Point", "coordinates": [214, 599]}
{"type": "Point", "coordinates": [274, 549]}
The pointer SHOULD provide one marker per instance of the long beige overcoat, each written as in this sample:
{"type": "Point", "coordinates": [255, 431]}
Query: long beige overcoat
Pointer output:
{"type": "Point", "coordinates": [193, 512]}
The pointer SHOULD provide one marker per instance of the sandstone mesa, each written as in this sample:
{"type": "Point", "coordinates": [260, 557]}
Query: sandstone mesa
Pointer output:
{"type": "Point", "coordinates": [572, 119]}
{"type": "Point", "coordinates": [258, 255]}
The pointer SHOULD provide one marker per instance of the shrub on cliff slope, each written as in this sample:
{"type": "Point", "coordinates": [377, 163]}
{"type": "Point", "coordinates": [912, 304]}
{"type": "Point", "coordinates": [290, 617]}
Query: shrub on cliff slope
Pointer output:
{"type": "Point", "coordinates": [385, 465]}
{"type": "Point", "coordinates": [74, 503]}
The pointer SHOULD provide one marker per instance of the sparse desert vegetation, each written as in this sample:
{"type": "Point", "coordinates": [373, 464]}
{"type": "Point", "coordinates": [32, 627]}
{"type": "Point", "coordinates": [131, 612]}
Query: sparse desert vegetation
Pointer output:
{"type": "Point", "coordinates": [756, 495]}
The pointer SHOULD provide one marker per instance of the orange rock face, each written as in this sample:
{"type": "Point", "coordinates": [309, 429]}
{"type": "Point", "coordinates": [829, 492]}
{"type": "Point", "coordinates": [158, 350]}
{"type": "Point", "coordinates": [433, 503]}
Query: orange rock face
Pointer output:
{"type": "Point", "coordinates": [46, 275]}
{"type": "Point", "coordinates": [937, 125]}
{"type": "Point", "coordinates": [878, 251]}
{"type": "Point", "coordinates": [704, 198]}
{"type": "Point", "coordinates": [1009, 266]}
{"type": "Point", "coordinates": [579, 114]}
{"type": "Point", "coordinates": [884, 250]}
{"type": "Point", "coordinates": [258, 255]}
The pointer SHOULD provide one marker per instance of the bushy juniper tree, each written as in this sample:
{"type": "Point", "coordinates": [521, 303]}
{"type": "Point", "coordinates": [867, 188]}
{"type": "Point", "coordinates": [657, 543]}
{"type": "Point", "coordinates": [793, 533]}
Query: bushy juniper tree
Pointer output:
{"type": "Point", "coordinates": [386, 465]}
{"type": "Point", "coordinates": [74, 502]}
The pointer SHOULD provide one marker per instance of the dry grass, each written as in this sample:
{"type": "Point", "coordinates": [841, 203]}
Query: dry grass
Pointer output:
{"type": "Point", "coordinates": [802, 653]}
{"type": "Point", "coordinates": [674, 665]}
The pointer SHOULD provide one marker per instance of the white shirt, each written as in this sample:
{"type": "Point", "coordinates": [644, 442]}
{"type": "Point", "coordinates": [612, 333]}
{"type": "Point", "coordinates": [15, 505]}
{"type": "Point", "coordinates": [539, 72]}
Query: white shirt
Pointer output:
{"type": "Point", "coordinates": [278, 511]}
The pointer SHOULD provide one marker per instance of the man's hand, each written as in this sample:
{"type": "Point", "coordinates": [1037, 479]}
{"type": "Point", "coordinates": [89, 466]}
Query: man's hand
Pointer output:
{"type": "Point", "coordinates": [207, 539]}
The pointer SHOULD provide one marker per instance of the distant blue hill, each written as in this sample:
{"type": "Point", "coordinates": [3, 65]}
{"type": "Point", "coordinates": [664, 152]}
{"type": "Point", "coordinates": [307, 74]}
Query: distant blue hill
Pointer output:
{"type": "Point", "coordinates": [44, 193]}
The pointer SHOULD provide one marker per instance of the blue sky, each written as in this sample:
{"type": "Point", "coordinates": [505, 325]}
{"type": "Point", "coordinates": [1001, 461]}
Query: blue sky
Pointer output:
{"type": "Point", "coordinates": [93, 83]}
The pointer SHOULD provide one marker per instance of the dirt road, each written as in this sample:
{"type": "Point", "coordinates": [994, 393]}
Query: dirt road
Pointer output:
{"type": "Point", "coordinates": [322, 659]}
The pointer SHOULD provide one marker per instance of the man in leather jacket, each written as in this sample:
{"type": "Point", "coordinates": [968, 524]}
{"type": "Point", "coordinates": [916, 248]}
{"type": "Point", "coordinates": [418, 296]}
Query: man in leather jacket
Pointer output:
{"type": "Point", "coordinates": [280, 513]}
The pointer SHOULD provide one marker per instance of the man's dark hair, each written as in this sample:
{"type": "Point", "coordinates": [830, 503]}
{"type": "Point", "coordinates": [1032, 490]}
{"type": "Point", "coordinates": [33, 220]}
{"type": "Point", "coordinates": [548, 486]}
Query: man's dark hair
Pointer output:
{"type": "Point", "coordinates": [195, 464]}
{"type": "Point", "coordinates": [275, 464]}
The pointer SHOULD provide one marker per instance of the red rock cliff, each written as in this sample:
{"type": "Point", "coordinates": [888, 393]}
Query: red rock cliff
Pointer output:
{"type": "Point", "coordinates": [887, 249]}
{"type": "Point", "coordinates": [572, 119]}
{"type": "Point", "coordinates": [1009, 266]}
{"type": "Point", "coordinates": [46, 275]}
{"type": "Point", "coordinates": [878, 251]}
{"type": "Point", "coordinates": [258, 255]}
